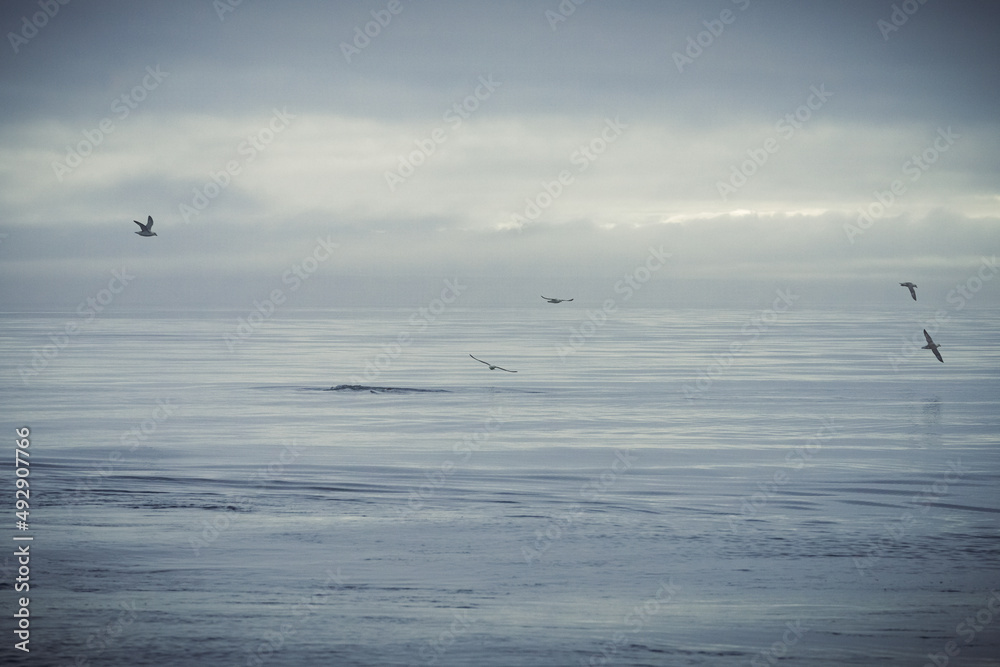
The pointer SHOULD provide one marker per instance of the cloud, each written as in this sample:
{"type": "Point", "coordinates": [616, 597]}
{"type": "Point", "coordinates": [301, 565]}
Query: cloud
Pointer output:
{"type": "Point", "coordinates": [720, 260]}
{"type": "Point", "coordinates": [755, 172]}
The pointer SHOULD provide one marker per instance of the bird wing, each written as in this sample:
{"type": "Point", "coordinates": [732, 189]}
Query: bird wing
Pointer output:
{"type": "Point", "coordinates": [149, 221]}
{"type": "Point", "coordinates": [547, 298]}
{"type": "Point", "coordinates": [141, 226]}
{"type": "Point", "coordinates": [480, 361]}
{"type": "Point", "coordinates": [928, 337]}
{"type": "Point", "coordinates": [504, 369]}
{"type": "Point", "coordinates": [569, 300]}
{"type": "Point", "coordinates": [937, 354]}
{"type": "Point", "coordinates": [913, 292]}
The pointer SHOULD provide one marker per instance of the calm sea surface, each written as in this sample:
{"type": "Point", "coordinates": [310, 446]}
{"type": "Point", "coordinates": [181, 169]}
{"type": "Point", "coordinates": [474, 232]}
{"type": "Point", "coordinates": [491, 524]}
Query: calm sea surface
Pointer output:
{"type": "Point", "coordinates": [653, 487]}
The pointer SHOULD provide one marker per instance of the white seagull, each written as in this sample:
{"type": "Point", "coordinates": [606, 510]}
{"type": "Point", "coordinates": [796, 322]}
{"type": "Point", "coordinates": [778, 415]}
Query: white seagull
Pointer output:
{"type": "Point", "coordinates": [551, 300]}
{"type": "Point", "coordinates": [912, 288]}
{"type": "Point", "coordinates": [932, 346]}
{"type": "Point", "coordinates": [146, 229]}
{"type": "Point", "coordinates": [492, 367]}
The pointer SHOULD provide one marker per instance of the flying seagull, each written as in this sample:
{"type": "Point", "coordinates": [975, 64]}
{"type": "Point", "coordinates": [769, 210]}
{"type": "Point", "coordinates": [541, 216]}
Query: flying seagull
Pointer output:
{"type": "Point", "coordinates": [551, 300]}
{"type": "Point", "coordinates": [147, 229]}
{"type": "Point", "coordinates": [492, 367]}
{"type": "Point", "coordinates": [912, 288]}
{"type": "Point", "coordinates": [932, 346]}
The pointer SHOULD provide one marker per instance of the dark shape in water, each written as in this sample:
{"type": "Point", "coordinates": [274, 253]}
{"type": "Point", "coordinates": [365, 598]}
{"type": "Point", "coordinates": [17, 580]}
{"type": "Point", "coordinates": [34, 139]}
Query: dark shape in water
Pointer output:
{"type": "Point", "coordinates": [382, 390]}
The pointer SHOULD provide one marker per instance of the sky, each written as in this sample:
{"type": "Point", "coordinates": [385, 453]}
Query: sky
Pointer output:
{"type": "Point", "coordinates": [362, 153]}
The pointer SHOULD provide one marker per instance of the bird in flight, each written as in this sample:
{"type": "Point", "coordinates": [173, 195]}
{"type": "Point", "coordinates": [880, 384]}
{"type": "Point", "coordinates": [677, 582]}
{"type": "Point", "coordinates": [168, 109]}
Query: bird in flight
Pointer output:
{"type": "Point", "coordinates": [146, 229]}
{"type": "Point", "coordinates": [932, 346]}
{"type": "Point", "coordinates": [912, 288]}
{"type": "Point", "coordinates": [492, 367]}
{"type": "Point", "coordinates": [551, 300]}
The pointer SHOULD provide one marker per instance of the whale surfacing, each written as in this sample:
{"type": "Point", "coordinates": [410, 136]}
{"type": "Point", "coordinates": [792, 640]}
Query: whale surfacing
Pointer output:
{"type": "Point", "coordinates": [385, 390]}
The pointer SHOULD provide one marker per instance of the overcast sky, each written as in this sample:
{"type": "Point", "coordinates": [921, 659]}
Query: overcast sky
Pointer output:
{"type": "Point", "coordinates": [522, 147]}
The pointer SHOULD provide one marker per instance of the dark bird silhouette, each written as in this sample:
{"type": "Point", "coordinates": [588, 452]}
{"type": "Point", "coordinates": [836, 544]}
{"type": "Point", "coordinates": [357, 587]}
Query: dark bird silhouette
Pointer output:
{"type": "Point", "coordinates": [912, 288]}
{"type": "Point", "coordinates": [146, 229]}
{"type": "Point", "coordinates": [492, 367]}
{"type": "Point", "coordinates": [551, 300]}
{"type": "Point", "coordinates": [932, 346]}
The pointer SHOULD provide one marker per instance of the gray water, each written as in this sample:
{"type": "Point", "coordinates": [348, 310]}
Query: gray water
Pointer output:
{"type": "Point", "coordinates": [661, 487]}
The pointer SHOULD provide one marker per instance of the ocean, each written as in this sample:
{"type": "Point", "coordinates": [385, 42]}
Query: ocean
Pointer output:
{"type": "Point", "coordinates": [651, 487]}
